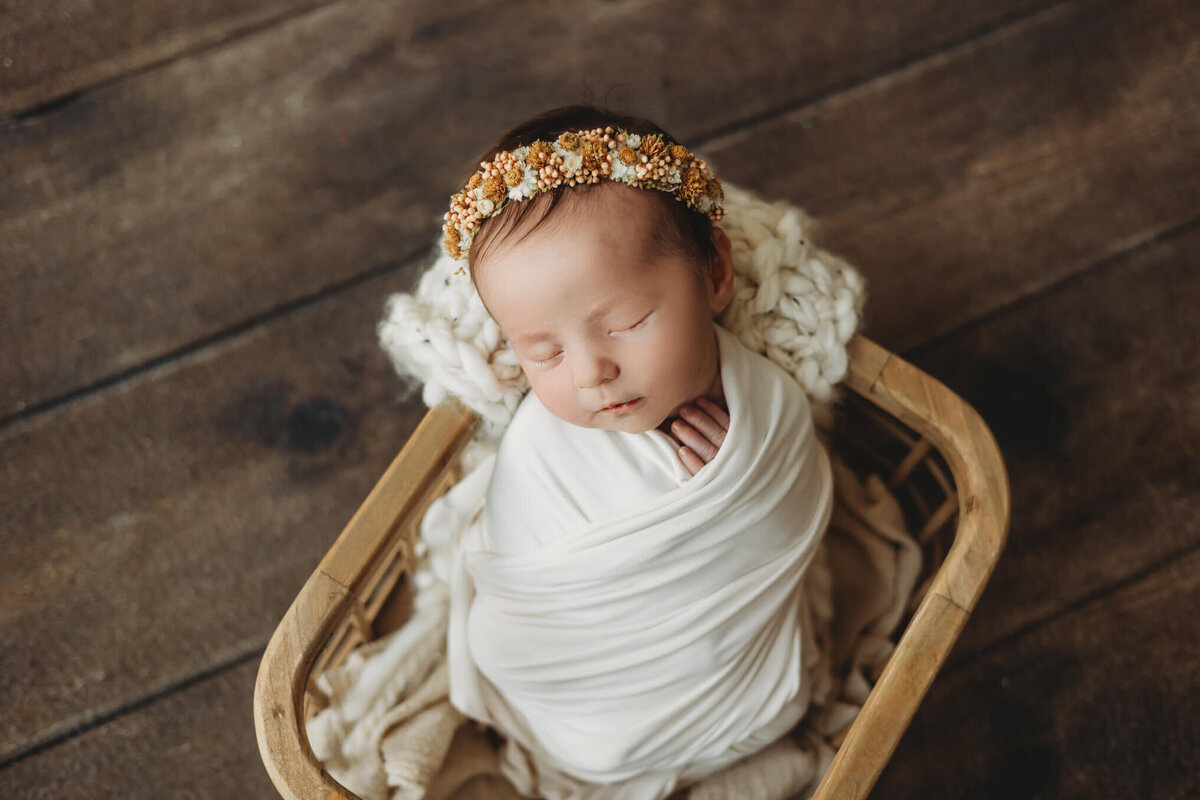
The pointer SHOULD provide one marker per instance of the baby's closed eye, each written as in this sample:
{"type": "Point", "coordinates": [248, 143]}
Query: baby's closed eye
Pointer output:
{"type": "Point", "coordinates": [641, 323]}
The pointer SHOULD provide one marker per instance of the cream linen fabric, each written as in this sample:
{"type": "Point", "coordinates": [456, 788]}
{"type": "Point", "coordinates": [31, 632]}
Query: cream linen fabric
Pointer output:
{"type": "Point", "coordinates": [626, 624]}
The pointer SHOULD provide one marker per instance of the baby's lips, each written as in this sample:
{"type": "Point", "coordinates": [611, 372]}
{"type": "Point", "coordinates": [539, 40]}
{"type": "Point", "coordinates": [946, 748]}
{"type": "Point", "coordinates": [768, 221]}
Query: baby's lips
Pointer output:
{"type": "Point", "coordinates": [612, 406]}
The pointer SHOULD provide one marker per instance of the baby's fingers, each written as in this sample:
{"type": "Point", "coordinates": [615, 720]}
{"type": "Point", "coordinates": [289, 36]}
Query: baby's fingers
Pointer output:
{"type": "Point", "coordinates": [715, 411]}
{"type": "Point", "coordinates": [707, 424]}
{"type": "Point", "coordinates": [695, 441]}
{"type": "Point", "coordinates": [691, 461]}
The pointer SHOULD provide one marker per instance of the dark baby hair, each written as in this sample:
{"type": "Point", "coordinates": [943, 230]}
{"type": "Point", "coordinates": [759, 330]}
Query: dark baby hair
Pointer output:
{"type": "Point", "coordinates": [678, 230]}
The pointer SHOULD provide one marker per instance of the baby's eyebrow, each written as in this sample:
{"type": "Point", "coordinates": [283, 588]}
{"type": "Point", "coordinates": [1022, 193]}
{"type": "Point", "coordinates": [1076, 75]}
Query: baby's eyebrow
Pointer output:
{"type": "Point", "coordinates": [602, 309]}
{"type": "Point", "coordinates": [531, 338]}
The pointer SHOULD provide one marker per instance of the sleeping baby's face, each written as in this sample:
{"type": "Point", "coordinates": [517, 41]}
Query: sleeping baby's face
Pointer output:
{"type": "Point", "coordinates": [610, 332]}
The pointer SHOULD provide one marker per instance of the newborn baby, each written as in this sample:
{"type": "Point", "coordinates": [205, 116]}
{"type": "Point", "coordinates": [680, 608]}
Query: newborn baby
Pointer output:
{"type": "Point", "coordinates": [629, 612]}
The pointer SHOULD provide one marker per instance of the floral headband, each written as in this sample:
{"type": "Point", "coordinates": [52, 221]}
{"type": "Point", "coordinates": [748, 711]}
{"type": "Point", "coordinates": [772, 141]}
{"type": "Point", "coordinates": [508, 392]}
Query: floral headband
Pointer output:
{"type": "Point", "coordinates": [648, 161]}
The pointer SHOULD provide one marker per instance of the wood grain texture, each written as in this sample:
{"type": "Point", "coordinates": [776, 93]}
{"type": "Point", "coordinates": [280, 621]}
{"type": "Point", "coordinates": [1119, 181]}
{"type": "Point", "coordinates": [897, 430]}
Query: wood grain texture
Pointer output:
{"type": "Point", "coordinates": [1101, 702]}
{"type": "Point", "coordinates": [890, 706]}
{"type": "Point", "coordinates": [1092, 392]}
{"type": "Point", "coordinates": [51, 49]}
{"type": "Point", "coordinates": [278, 718]}
{"type": "Point", "coordinates": [160, 210]}
{"type": "Point", "coordinates": [104, 482]}
{"type": "Point", "coordinates": [340, 583]}
{"type": "Point", "coordinates": [162, 528]}
{"type": "Point", "coordinates": [989, 172]}
{"type": "Point", "coordinates": [195, 743]}
{"type": "Point", "coordinates": [981, 481]}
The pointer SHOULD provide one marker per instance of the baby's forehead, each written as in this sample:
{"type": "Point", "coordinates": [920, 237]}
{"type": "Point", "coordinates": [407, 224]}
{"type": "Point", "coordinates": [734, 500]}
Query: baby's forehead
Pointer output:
{"type": "Point", "coordinates": [613, 221]}
{"type": "Point", "coordinates": [611, 237]}
{"type": "Point", "coordinates": [635, 220]}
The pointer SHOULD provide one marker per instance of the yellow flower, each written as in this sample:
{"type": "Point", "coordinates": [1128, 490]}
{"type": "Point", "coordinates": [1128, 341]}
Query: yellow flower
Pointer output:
{"type": "Point", "coordinates": [539, 154]}
{"type": "Point", "coordinates": [693, 184]}
{"type": "Point", "coordinates": [627, 155]}
{"type": "Point", "coordinates": [653, 146]}
{"type": "Point", "coordinates": [569, 141]}
{"type": "Point", "coordinates": [453, 237]}
{"type": "Point", "coordinates": [680, 152]}
{"type": "Point", "coordinates": [493, 189]}
{"type": "Point", "coordinates": [513, 177]}
{"type": "Point", "coordinates": [593, 152]}
{"type": "Point", "coordinates": [714, 190]}
{"type": "Point", "coordinates": [475, 181]}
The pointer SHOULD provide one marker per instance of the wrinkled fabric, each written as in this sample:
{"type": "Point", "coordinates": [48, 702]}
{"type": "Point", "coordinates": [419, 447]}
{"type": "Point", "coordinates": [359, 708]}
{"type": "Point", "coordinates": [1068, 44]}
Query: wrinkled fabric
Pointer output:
{"type": "Point", "coordinates": [629, 627]}
{"type": "Point", "coordinates": [385, 739]}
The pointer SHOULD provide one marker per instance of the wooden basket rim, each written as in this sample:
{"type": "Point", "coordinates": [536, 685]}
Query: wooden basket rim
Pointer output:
{"type": "Point", "coordinates": [883, 378]}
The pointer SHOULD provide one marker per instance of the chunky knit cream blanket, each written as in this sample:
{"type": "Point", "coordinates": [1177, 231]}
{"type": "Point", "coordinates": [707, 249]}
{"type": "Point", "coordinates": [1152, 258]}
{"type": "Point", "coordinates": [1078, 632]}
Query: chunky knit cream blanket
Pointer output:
{"type": "Point", "coordinates": [389, 725]}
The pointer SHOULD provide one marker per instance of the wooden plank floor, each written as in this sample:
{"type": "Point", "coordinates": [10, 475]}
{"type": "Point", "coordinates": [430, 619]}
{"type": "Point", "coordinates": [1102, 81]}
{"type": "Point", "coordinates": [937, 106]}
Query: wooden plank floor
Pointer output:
{"type": "Point", "coordinates": [204, 206]}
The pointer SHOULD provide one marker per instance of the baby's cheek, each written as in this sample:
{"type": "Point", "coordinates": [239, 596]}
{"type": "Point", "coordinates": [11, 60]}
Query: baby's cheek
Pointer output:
{"type": "Point", "coordinates": [685, 361]}
{"type": "Point", "coordinates": [557, 397]}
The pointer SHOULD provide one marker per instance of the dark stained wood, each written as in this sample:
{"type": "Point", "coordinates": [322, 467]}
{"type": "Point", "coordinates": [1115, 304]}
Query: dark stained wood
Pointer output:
{"type": "Point", "coordinates": [52, 49]}
{"type": "Point", "coordinates": [1140, 297]}
{"type": "Point", "coordinates": [133, 495]}
{"type": "Point", "coordinates": [1092, 392]}
{"type": "Point", "coordinates": [160, 210]}
{"type": "Point", "coordinates": [1102, 702]}
{"type": "Point", "coordinates": [195, 743]}
{"type": "Point", "coordinates": [161, 528]}
{"type": "Point", "coordinates": [157, 529]}
{"type": "Point", "coordinates": [232, 562]}
{"type": "Point", "coordinates": [987, 173]}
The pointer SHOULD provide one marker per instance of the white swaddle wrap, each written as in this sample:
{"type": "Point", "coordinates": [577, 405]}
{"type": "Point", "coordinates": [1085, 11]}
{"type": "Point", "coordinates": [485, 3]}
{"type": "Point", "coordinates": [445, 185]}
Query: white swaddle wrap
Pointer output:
{"type": "Point", "coordinates": [624, 623]}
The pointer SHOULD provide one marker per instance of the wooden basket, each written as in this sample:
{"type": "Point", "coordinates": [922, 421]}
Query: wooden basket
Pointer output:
{"type": "Point", "coordinates": [937, 455]}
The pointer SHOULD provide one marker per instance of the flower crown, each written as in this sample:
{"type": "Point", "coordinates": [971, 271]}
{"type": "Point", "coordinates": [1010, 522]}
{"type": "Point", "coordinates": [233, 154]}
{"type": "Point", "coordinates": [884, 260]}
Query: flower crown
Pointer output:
{"type": "Point", "coordinates": [649, 161]}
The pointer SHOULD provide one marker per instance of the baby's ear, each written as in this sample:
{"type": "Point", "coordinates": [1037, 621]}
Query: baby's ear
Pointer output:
{"type": "Point", "coordinates": [720, 282]}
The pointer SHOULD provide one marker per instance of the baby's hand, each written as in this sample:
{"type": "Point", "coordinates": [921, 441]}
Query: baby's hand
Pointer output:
{"type": "Point", "coordinates": [701, 432]}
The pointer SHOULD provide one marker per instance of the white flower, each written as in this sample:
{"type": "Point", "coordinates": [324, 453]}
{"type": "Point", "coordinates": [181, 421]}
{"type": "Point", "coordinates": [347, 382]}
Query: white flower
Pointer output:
{"type": "Point", "coordinates": [674, 176]}
{"type": "Point", "coordinates": [526, 188]}
{"type": "Point", "coordinates": [622, 171]}
{"type": "Point", "coordinates": [572, 159]}
{"type": "Point", "coordinates": [464, 244]}
{"type": "Point", "coordinates": [632, 139]}
{"type": "Point", "coordinates": [485, 206]}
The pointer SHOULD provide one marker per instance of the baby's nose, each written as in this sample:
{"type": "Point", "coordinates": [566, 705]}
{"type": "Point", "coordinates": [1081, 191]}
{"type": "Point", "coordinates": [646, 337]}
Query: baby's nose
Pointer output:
{"type": "Point", "coordinates": [592, 370]}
